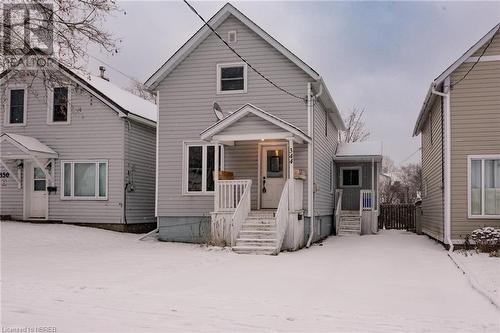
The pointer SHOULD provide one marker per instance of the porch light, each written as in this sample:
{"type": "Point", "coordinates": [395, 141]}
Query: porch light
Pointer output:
{"type": "Point", "coordinates": [261, 139]}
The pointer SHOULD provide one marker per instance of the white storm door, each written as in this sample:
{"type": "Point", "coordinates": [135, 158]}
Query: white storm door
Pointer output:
{"type": "Point", "coordinates": [273, 174]}
{"type": "Point", "coordinates": [37, 192]}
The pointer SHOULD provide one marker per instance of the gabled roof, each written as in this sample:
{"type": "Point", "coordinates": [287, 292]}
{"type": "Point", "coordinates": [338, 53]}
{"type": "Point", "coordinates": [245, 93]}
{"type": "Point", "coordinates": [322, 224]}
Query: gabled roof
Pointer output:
{"type": "Point", "coordinates": [430, 97]}
{"type": "Point", "coordinates": [28, 145]}
{"type": "Point", "coordinates": [251, 109]}
{"type": "Point", "coordinates": [204, 32]}
{"type": "Point", "coordinates": [120, 100]}
{"type": "Point", "coordinates": [359, 150]}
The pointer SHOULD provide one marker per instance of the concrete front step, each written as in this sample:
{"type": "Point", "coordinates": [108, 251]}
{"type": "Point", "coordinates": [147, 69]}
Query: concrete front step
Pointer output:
{"type": "Point", "coordinates": [267, 243]}
{"type": "Point", "coordinates": [260, 234]}
{"type": "Point", "coordinates": [254, 249]}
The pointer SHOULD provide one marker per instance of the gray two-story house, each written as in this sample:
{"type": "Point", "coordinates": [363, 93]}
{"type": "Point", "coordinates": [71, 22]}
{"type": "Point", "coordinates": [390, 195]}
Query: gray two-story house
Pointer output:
{"type": "Point", "coordinates": [247, 142]}
{"type": "Point", "coordinates": [76, 149]}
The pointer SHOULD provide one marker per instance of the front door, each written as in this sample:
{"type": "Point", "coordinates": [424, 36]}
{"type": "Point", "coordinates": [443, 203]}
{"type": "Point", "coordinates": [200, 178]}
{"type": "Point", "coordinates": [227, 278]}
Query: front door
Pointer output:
{"type": "Point", "coordinates": [37, 190]}
{"type": "Point", "coordinates": [273, 174]}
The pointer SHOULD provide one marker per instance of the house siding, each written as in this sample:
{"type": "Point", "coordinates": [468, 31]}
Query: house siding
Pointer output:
{"type": "Point", "coordinates": [185, 110]}
{"type": "Point", "coordinates": [140, 166]}
{"type": "Point", "coordinates": [493, 48]}
{"type": "Point", "coordinates": [325, 144]}
{"type": "Point", "coordinates": [432, 173]}
{"type": "Point", "coordinates": [95, 133]}
{"type": "Point", "coordinates": [475, 130]}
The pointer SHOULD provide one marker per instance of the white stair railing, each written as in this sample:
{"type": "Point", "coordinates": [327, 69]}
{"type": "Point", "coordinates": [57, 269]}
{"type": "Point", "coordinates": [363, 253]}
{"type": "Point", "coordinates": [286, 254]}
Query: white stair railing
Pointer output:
{"type": "Point", "coordinates": [282, 214]}
{"type": "Point", "coordinates": [242, 209]}
{"type": "Point", "coordinates": [338, 210]}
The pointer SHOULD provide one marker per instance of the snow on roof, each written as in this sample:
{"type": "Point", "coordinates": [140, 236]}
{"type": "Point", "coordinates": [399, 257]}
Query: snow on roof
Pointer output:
{"type": "Point", "coordinates": [365, 148]}
{"type": "Point", "coordinates": [125, 99]}
{"type": "Point", "coordinates": [30, 143]}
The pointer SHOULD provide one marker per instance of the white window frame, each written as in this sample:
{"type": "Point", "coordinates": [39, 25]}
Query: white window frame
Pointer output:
{"type": "Point", "coordinates": [50, 107]}
{"type": "Point", "coordinates": [96, 197]}
{"type": "Point", "coordinates": [7, 105]}
{"type": "Point", "coordinates": [482, 158]}
{"type": "Point", "coordinates": [342, 176]}
{"type": "Point", "coordinates": [245, 78]}
{"type": "Point", "coordinates": [185, 166]}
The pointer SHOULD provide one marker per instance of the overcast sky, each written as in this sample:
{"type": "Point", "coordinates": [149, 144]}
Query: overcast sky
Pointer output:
{"type": "Point", "coordinates": [381, 56]}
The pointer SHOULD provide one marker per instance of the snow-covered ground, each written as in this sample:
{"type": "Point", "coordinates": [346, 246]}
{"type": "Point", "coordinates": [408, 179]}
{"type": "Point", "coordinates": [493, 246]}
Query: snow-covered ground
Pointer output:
{"type": "Point", "coordinates": [483, 268]}
{"type": "Point", "coordinates": [88, 280]}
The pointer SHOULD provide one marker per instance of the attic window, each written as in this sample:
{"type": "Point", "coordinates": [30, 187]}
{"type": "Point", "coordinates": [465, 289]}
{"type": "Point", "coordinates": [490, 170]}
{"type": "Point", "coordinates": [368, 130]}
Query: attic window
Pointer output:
{"type": "Point", "coordinates": [232, 37]}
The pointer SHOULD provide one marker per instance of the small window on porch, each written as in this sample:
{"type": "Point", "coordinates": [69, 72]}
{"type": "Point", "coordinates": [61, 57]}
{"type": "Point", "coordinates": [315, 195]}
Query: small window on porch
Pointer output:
{"type": "Point", "coordinates": [351, 177]}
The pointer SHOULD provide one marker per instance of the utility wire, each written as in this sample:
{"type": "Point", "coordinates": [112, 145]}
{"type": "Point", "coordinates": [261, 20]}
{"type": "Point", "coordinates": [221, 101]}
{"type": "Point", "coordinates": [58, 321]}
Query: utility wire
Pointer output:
{"type": "Point", "coordinates": [410, 156]}
{"type": "Point", "coordinates": [243, 59]}
{"type": "Point", "coordinates": [474, 65]}
{"type": "Point", "coordinates": [116, 69]}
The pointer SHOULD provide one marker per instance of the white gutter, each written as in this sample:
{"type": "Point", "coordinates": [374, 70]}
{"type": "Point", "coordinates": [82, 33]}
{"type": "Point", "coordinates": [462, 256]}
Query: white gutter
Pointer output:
{"type": "Point", "coordinates": [447, 159]}
{"type": "Point", "coordinates": [310, 159]}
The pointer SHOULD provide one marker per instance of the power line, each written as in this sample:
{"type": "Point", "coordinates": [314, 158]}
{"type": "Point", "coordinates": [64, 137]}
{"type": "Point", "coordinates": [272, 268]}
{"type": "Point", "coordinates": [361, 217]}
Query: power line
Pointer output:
{"type": "Point", "coordinates": [243, 59]}
{"type": "Point", "coordinates": [410, 156]}
{"type": "Point", "coordinates": [116, 69]}
{"type": "Point", "coordinates": [475, 63]}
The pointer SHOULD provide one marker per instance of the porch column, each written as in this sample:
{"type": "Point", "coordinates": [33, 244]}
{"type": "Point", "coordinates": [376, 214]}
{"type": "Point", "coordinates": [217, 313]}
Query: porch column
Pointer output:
{"type": "Point", "coordinates": [373, 182]}
{"type": "Point", "coordinates": [291, 171]}
{"type": "Point", "coordinates": [216, 178]}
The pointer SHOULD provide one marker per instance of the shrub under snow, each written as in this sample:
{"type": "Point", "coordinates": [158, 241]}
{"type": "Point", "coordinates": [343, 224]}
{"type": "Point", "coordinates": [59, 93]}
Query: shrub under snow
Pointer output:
{"type": "Point", "coordinates": [487, 239]}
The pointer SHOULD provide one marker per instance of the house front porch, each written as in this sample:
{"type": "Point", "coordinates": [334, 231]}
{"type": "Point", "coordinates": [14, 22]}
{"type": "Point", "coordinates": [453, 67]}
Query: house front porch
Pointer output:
{"type": "Point", "coordinates": [258, 188]}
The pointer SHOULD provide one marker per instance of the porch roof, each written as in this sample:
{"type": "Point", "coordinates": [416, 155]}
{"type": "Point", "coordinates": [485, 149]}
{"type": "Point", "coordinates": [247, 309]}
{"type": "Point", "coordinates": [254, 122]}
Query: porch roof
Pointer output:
{"type": "Point", "coordinates": [281, 130]}
{"type": "Point", "coordinates": [28, 147]}
{"type": "Point", "coordinates": [359, 151]}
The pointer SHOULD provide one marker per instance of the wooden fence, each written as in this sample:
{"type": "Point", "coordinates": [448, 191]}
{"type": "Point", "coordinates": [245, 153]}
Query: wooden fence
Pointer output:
{"type": "Point", "coordinates": [399, 216]}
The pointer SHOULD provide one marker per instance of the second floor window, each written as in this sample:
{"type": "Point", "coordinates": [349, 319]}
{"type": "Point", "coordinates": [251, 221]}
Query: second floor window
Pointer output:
{"type": "Point", "coordinates": [60, 105]}
{"type": "Point", "coordinates": [17, 107]}
{"type": "Point", "coordinates": [231, 78]}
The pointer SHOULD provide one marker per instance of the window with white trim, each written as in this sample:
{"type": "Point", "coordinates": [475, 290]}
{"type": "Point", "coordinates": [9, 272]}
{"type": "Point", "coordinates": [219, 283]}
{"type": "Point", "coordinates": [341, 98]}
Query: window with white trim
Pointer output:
{"type": "Point", "coordinates": [350, 176]}
{"type": "Point", "coordinates": [484, 186]}
{"type": "Point", "coordinates": [200, 166]}
{"type": "Point", "coordinates": [231, 78]}
{"type": "Point", "coordinates": [59, 105]}
{"type": "Point", "coordinates": [84, 180]}
{"type": "Point", "coordinates": [16, 108]}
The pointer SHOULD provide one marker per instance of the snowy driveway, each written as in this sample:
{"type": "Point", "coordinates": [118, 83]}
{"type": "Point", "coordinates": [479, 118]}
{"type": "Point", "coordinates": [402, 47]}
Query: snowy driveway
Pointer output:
{"type": "Point", "coordinates": [87, 280]}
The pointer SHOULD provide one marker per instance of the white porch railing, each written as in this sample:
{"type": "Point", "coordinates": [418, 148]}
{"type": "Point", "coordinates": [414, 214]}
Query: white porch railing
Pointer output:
{"type": "Point", "coordinates": [338, 210]}
{"type": "Point", "coordinates": [228, 194]}
{"type": "Point", "coordinates": [242, 208]}
{"type": "Point", "coordinates": [366, 200]}
{"type": "Point", "coordinates": [282, 214]}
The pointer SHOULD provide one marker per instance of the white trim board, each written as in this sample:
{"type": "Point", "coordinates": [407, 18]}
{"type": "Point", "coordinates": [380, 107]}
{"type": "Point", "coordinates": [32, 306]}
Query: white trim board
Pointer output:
{"type": "Point", "coordinates": [484, 58]}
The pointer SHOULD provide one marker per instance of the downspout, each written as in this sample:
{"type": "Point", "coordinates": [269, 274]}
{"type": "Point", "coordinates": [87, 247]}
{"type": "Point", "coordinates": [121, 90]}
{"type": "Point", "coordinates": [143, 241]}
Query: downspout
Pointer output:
{"type": "Point", "coordinates": [310, 160]}
{"type": "Point", "coordinates": [447, 158]}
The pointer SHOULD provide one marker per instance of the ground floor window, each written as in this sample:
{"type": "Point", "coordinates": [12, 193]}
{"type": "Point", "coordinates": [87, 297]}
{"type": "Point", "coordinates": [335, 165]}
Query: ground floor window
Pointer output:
{"type": "Point", "coordinates": [200, 166]}
{"type": "Point", "coordinates": [484, 186]}
{"type": "Point", "coordinates": [350, 176]}
{"type": "Point", "coordinates": [84, 180]}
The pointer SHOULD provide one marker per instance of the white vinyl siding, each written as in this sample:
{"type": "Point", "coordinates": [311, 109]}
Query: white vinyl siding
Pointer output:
{"type": "Point", "coordinates": [84, 180]}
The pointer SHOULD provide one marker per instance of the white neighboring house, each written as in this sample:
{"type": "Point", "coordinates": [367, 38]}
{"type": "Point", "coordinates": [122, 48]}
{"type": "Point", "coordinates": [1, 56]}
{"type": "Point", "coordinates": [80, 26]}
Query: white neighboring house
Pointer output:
{"type": "Point", "coordinates": [278, 148]}
{"type": "Point", "coordinates": [77, 149]}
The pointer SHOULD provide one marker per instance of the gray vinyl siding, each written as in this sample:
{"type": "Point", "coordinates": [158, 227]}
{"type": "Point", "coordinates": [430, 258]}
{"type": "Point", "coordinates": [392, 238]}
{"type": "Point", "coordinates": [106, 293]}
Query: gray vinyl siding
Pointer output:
{"type": "Point", "coordinates": [493, 48]}
{"type": "Point", "coordinates": [94, 133]}
{"type": "Point", "coordinates": [185, 109]}
{"type": "Point", "coordinates": [432, 173]}
{"type": "Point", "coordinates": [325, 144]}
{"type": "Point", "coordinates": [140, 166]}
{"type": "Point", "coordinates": [475, 130]}
{"type": "Point", "coordinates": [350, 195]}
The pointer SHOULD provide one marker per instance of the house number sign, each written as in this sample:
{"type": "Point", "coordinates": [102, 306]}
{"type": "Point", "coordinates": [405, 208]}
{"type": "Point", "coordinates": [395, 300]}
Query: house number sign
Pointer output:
{"type": "Point", "coordinates": [4, 174]}
{"type": "Point", "coordinates": [290, 155]}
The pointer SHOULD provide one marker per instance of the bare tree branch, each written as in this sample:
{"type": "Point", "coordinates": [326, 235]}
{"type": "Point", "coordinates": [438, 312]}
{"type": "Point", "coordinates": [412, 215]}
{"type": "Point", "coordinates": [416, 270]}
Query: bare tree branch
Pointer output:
{"type": "Point", "coordinates": [355, 127]}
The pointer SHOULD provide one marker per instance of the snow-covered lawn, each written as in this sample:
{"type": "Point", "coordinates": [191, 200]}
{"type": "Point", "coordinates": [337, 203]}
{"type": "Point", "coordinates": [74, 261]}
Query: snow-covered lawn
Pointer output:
{"type": "Point", "coordinates": [483, 268]}
{"type": "Point", "coordinates": [88, 280]}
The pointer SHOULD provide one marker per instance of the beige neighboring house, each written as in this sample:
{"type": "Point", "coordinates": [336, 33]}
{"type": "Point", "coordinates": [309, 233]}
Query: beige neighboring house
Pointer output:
{"type": "Point", "coordinates": [460, 129]}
